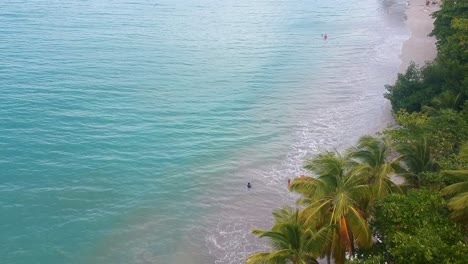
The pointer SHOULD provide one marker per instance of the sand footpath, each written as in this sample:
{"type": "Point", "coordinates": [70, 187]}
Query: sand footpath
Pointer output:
{"type": "Point", "coordinates": [419, 47]}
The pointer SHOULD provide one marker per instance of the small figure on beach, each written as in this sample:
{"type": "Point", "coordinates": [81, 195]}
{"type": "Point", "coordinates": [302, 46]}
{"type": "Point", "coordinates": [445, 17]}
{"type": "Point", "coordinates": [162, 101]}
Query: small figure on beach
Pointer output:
{"type": "Point", "coordinates": [289, 182]}
{"type": "Point", "coordinates": [249, 185]}
{"type": "Point", "coordinates": [325, 37]}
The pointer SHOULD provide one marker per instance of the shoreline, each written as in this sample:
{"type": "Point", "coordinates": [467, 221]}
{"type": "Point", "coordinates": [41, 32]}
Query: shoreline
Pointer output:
{"type": "Point", "coordinates": [420, 47]}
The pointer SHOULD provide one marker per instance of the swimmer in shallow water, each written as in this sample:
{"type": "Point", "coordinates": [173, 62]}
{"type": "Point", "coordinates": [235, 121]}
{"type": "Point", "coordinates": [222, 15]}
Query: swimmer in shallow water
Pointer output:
{"type": "Point", "coordinates": [249, 185]}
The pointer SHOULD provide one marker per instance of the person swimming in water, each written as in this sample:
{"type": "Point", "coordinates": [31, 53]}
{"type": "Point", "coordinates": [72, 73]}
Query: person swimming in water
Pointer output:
{"type": "Point", "coordinates": [325, 37]}
{"type": "Point", "coordinates": [249, 185]}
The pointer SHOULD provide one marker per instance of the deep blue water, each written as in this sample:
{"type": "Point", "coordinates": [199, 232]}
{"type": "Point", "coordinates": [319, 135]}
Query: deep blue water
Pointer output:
{"type": "Point", "coordinates": [128, 129]}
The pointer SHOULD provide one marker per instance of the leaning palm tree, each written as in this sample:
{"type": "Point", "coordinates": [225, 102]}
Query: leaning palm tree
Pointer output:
{"type": "Point", "coordinates": [459, 202]}
{"type": "Point", "coordinates": [334, 199]}
{"type": "Point", "coordinates": [372, 154]}
{"type": "Point", "coordinates": [291, 240]}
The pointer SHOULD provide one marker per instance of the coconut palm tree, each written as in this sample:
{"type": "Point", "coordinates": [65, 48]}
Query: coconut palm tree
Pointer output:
{"type": "Point", "coordinates": [291, 240]}
{"type": "Point", "coordinates": [459, 202]}
{"type": "Point", "coordinates": [416, 157]}
{"type": "Point", "coordinates": [372, 154]}
{"type": "Point", "coordinates": [334, 199]}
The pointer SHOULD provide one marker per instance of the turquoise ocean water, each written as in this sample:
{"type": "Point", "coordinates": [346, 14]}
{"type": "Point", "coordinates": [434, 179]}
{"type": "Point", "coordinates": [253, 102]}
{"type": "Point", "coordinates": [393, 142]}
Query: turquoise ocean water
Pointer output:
{"type": "Point", "coordinates": [129, 128]}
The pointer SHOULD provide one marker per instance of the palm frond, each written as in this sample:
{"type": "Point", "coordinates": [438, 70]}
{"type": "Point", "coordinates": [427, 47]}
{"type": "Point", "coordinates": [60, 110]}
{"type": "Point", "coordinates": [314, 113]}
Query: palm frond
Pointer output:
{"type": "Point", "coordinates": [344, 234]}
{"type": "Point", "coordinates": [360, 228]}
{"type": "Point", "coordinates": [463, 154]}
{"type": "Point", "coordinates": [280, 240]}
{"type": "Point", "coordinates": [455, 188]}
{"type": "Point", "coordinates": [318, 240]}
{"type": "Point", "coordinates": [314, 211]}
{"type": "Point", "coordinates": [277, 257]}
{"type": "Point", "coordinates": [459, 207]}
{"type": "Point", "coordinates": [285, 214]}
{"type": "Point", "coordinates": [417, 156]}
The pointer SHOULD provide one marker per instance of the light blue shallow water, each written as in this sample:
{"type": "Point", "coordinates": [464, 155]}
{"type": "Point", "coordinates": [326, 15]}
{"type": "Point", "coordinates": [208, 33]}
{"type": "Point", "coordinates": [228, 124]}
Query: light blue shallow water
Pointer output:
{"type": "Point", "coordinates": [128, 129]}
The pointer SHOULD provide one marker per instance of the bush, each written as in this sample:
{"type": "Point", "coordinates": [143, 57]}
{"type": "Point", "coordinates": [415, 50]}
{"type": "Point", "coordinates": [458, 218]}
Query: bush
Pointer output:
{"type": "Point", "coordinates": [414, 228]}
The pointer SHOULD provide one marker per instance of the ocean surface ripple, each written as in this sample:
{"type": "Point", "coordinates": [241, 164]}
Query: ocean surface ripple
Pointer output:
{"type": "Point", "coordinates": [128, 129]}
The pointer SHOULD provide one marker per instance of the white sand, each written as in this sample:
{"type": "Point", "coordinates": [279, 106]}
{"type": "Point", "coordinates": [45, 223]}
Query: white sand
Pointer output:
{"type": "Point", "coordinates": [419, 47]}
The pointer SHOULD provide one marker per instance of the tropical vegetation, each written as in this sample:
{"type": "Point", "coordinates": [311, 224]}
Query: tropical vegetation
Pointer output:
{"type": "Point", "coordinates": [351, 210]}
{"type": "Point", "coordinates": [291, 239]}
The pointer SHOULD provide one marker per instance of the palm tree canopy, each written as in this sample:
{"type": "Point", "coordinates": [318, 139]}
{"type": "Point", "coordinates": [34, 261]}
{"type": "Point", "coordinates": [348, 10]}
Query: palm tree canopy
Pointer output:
{"type": "Point", "coordinates": [290, 240]}
{"type": "Point", "coordinates": [334, 199]}
{"type": "Point", "coordinates": [371, 154]}
{"type": "Point", "coordinates": [371, 151]}
{"type": "Point", "coordinates": [417, 157]}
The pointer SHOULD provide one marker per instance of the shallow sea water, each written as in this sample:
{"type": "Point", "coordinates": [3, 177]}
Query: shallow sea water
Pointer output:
{"type": "Point", "coordinates": [129, 129]}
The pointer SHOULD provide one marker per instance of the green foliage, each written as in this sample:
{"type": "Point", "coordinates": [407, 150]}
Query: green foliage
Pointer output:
{"type": "Point", "coordinates": [444, 132]}
{"type": "Point", "coordinates": [459, 202]}
{"type": "Point", "coordinates": [335, 199]}
{"type": "Point", "coordinates": [451, 162]}
{"type": "Point", "coordinates": [402, 213]}
{"type": "Point", "coordinates": [418, 247]}
{"type": "Point", "coordinates": [433, 180]}
{"type": "Point", "coordinates": [450, 29]}
{"type": "Point", "coordinates": [417, 156]}
{"type": "Point", "coordinates": [411, 127]}
{"type": "Point", "coordinates": [414, 228]}
{"type": "Point", "coordinates": [465, 110]}
{"type": "Point", "coordinates": [374, 259]}
{"type": "Point", "coordinates": [408, 91]}
{"type": "Point", "coordinates": [442, 84]}
{"type": "Point", "coordinates": [371, 155]}
{"type": "Point", "coordinates": [290, 240]}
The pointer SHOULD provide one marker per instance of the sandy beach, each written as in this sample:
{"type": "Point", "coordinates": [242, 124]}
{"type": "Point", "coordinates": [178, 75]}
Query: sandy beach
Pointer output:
{"type": "Point", "coordinates": [419, 47]}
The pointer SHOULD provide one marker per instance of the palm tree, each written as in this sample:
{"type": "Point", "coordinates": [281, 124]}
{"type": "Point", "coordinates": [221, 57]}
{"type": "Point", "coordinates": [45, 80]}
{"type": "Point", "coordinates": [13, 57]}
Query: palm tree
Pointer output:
{"type": "Point", "coordinates": [372, 153]}
{"type": "Point", "coordinates": [333, 199]}
{"type": "Point", "coordinates": [459, 203]}
{"type": "Point", "coordinates": [290, 239]}
{"type": "Point", "coordinates": [417, 159]}
{"type": "Point", "coordinates": [445, 100]}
